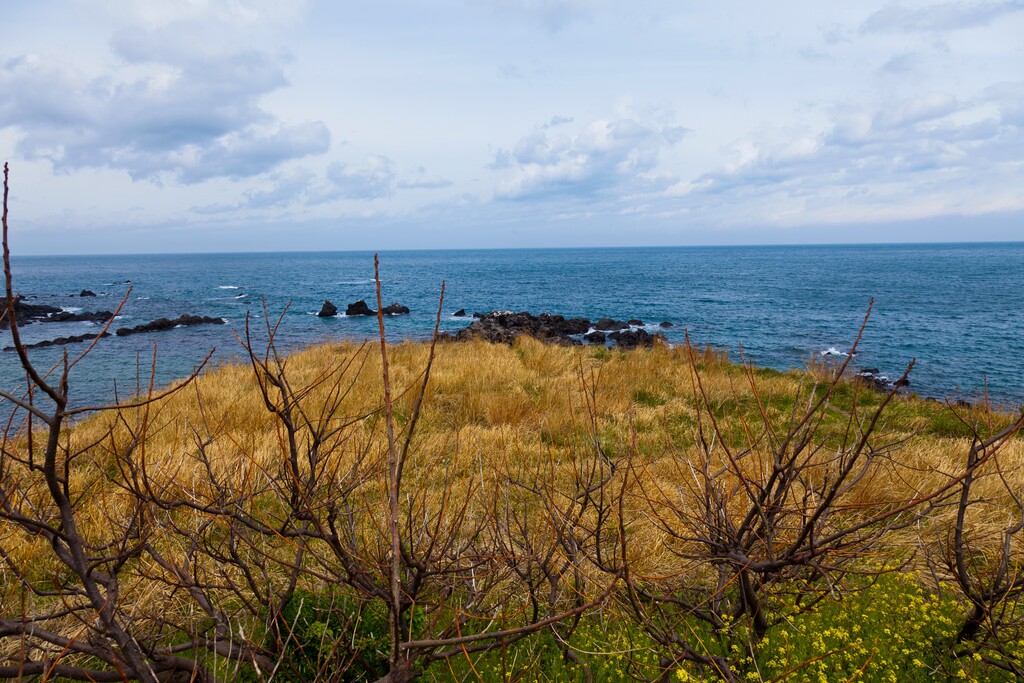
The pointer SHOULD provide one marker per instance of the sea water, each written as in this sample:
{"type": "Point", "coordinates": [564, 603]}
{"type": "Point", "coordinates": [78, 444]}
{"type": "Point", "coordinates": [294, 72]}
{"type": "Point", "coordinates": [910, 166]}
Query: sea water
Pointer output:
{"type": "Point", "coordinates": [954, 308]}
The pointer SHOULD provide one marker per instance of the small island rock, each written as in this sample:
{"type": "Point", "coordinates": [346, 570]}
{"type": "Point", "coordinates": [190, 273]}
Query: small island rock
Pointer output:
{"type": "Point", "coordinates": [328, 310]}
{"type": "Point", "coordinates": [395, 309]}
{"type": "Point", "coordinates": [359, 308]}
{"type": "Point", "coordinates": [161, 324]}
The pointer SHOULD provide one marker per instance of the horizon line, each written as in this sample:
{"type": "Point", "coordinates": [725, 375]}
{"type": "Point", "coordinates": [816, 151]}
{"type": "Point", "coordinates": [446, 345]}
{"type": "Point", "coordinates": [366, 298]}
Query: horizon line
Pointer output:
{"type": "Point", "coordinates": [761, 245]}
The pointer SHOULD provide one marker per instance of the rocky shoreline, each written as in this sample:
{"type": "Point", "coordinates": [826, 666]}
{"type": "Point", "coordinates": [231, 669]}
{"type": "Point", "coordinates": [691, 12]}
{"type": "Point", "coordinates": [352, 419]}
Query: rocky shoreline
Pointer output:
{"type": "Point", "coordinates": [499, 327]}
{"type": "Point", "coordinates": [503, 327]}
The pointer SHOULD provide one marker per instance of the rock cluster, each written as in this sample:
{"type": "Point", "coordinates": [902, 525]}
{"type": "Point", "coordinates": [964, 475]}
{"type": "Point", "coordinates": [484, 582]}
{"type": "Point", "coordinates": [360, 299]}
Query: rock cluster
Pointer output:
{"type": "Point", "coordinates": [504, 326]}
{"type": "Point", "coordinates": [26, 313]}
{"type": "Point", "coordinates": [60, 341]}
{"type": "Point", "coordinates": [871, 378]}
{"type": "Point", "coordinates": [161, 324]}
{"type": "Point", "coordinates": [360, 308]}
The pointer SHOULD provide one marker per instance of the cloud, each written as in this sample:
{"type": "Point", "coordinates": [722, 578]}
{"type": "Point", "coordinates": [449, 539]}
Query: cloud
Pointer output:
{"type": "Point", "coordinates": [278, 190]}
{"type": "Point", "coordinates": [285, 189]}
{"type": "Point", "coordinates": [422, 181]}
{"type": "Point", "coordinates": [374, 178]}
{"type": "Point", "coordinates": [245, 13]}
{"type": "Point", "coordinates": [557, 121]}
{"type": "Point", "coordinates": [554, 15]}
{"type": "Point", "coordinates": [900, 114]}
{"type": "Point", "coordinates": [175, 110]}
{"type": "Point", "coordinates": [901, 64]}
{"type": "Point", "coordinates": [607, 154]}
{"type": "Point", "coordinates": [912, 158]}
{"type": "Point", "coordinates": [1009, 99]}
{"type": "Point", "coordinates": [510, 71]}
{"type": "Point", "coordinates": [947, 16]}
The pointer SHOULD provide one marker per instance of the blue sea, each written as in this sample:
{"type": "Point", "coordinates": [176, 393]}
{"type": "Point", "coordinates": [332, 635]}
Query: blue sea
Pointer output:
{"type": "Point", "coordinates": [955, 308]}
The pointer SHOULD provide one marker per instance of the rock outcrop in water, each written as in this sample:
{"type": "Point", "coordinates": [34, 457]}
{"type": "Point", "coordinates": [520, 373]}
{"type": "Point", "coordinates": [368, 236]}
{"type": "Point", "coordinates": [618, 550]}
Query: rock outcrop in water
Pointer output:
{"type": "Point", "coordinates": [504, 326]}
{"type": "Point", "coordinates": [26, 313]}
{"type": "Point", "coordinates": [632, 339]}
{"type": "Point", "coordinates": [395, 309]}
{"type": "Point", "coordinates": [328, 310]}
{"type": "Point", "coordinates": [60, 341]}
{"type": "Point", "coordinates": [359, 308]}
{"type": "Point", "coordinates": [609, 325]}
{"type": "Point", "coordinates": [162, 324]}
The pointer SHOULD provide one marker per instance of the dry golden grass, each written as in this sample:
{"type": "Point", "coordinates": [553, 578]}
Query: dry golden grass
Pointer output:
{"type": "Point", "coordinates": [493, 414]}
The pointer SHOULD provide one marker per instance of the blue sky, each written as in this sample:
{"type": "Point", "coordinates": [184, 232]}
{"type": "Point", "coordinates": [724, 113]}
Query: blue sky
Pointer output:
{"type": "Point", "coordinates": [240, 125]}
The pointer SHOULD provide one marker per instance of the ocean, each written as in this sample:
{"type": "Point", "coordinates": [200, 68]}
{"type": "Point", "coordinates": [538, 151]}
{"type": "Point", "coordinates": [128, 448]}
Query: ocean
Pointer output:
{"type": "Point", "coordinates": [955, 308]}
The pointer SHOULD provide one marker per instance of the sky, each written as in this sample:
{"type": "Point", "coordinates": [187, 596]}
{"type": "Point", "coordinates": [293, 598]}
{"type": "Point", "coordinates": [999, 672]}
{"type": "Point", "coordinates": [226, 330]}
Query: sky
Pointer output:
{"type": "Point", "coordinates": [136, 126]}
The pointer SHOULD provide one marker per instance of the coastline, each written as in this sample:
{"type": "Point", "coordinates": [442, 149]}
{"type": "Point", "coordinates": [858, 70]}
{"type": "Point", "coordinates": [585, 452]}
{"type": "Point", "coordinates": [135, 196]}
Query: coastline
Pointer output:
{"type": "Point", "coordinates": [952, 308]}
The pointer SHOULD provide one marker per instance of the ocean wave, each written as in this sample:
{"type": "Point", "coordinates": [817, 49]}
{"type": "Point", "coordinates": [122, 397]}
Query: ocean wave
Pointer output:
{"type": "Point", "coordinates": [833, 351]}
{"type": "Point", "coordinates": [227, 287]}
{"type": "Point", "coordinates": [71, 309]}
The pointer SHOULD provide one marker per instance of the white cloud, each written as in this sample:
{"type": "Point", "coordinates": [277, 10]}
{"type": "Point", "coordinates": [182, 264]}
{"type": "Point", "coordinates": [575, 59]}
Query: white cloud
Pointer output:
{"type": "Point", "coordinates": [554, 15]}
{"type": "Point", "coordinates": [946, 16]}
{"type": "Point", "coordinates": [374, 178]}
{"type": "Point", "coordinates": [170, 113]}
{"type": "Point", "coordinates": [915, 110]}
{"type": "Point", "coordinates": [606, 155]}
{"type": "Point", "coordinates": [923, 156]}
{"type": "Point", "coordinates": [235, 12]}
{"type": "Point", "coordinates": [797, 114]}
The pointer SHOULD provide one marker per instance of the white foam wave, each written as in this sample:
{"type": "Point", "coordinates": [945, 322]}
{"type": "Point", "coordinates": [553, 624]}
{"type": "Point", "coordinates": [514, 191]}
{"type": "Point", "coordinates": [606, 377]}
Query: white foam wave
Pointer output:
{"type": "Point", "coordinates": [227, 287]}
{"type": "Point", "coordinates": [833, 351]}
{"type": "Point", "coordinates": [71, 309]}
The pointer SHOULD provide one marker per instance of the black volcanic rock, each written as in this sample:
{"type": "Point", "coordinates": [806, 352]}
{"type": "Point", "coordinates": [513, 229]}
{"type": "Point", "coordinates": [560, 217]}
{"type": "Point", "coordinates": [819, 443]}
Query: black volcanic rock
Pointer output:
{"type": "Point", "coordinates": [162, 324]}
{"type": "Point", "coordinates": [84, 316]}
{"type": "Point", "coordinates": [505, 326]}
{"type": "Point", "coordinates": [606, 324]}
{"type": "Point", "coordinates": [595, 337]}
{"type": "Point", "coordinates": [461, 313]}
{"type": "Point", "coordinates": [86, 292]}
{"type": "Point", "coordinates": [328, 310]}
{"type": "Point", "coordinates": [25, 313]}
{"type": "Point", "coordinates": [359, 308]}
{"type": "Point", "coordinates": [395, 309]}
{"type": "Point", "coordinates": [665, 324]}
{"type": "Point", "coordinates": [634, 321]}
{"type": "Point", "coordinates": [631, 339]}
{"type": "Point", "coordinates": [60, 341]}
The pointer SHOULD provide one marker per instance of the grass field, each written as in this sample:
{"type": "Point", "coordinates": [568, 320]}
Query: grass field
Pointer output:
{"type": "Point", "coordinates": [558, 514]}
